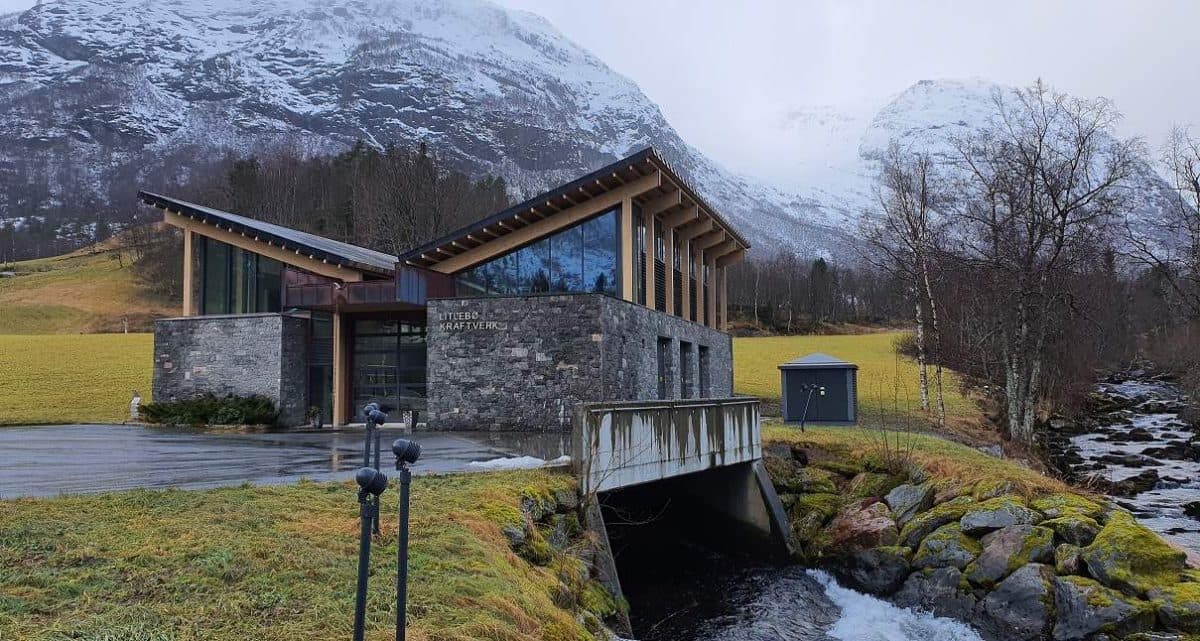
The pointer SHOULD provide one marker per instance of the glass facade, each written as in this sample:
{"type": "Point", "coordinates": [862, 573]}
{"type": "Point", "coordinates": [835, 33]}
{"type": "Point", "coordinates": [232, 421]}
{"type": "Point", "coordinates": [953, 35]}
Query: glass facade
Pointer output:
{"type": "Point", "coordinates": [235, 281]}
{"type": "Point", "coordinates": [582, 258]}
{"type": "Point", "coordinates": [389, 365]}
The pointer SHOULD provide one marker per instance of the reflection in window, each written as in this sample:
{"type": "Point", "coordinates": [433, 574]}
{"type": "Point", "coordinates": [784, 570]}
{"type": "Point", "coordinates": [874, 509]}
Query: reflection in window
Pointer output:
{"type": "Point", "coordinates": [236, 281]}
{"type": "Point", "coordinates": [582, 258]}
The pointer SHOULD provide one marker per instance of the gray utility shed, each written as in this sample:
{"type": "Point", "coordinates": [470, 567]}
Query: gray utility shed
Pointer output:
{"type": "Point", "coordinates": [840, 380]}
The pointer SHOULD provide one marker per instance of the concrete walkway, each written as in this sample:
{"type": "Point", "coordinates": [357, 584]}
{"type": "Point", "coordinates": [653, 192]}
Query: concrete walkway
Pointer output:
{"type": "Point", "coordinates": [77, 459]}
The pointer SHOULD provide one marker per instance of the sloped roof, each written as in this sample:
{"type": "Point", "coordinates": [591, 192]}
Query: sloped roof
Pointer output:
{"type": "Point", "coordinates": [337, 252]}
{"type": "Point", "coordinates": [818, 360]}
{"type": "Point", "coordinates": [544, 205]}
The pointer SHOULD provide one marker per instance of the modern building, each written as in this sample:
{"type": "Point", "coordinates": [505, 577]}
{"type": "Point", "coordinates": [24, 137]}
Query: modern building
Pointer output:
{"type": "Point", "coordinates": [608, 288]}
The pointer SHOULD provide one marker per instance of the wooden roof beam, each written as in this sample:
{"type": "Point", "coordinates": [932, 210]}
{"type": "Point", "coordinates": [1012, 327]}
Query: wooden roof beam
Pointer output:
{"type": "Point", "coordinates": [688, 232]}
{"type": "Point", "coordinates": [681, 217]}
{"type": "Point", "coordinates": [724, 249]}
{"type": "Point", "coordinates": [735, 256]}
{"type": "Point", "coordinates": [662, 203]}
{"type": "Point", "coordinates": [711, 239]}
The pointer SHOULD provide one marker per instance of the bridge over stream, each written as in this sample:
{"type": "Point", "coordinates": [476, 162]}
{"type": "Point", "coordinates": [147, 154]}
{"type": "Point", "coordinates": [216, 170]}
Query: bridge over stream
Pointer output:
{"type": "Point", "coordinates": [654, 465]}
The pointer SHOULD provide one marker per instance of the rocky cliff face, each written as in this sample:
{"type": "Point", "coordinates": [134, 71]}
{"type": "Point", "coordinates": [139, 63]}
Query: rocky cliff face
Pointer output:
{"type": "Point", "coordinates": [102, 98]}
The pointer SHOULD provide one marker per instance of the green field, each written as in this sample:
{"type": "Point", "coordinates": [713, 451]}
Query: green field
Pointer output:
{"type": "Point", "coordinates": [64, 378]}
{"type": "Point", "coordinates": [887, 382]}
{"type": "Point", "coordinates": [276, 562]}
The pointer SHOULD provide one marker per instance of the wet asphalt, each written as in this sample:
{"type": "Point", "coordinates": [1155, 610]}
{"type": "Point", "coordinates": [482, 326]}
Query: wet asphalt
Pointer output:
{"type": "Point", "coordinates": [80, 459]}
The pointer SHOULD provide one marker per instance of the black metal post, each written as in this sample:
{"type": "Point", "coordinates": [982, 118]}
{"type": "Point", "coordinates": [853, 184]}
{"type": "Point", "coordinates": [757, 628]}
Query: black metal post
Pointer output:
{"type": "Point", "coordinates": [804, 416]}
{"type": "Point", "coordinates": [402, 556]}
{"type": "Point", "coordinates": [366, 516]}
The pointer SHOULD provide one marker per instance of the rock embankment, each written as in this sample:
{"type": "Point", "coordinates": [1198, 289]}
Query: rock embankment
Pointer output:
{"type": "Point", "coordinates": [1018, 568]}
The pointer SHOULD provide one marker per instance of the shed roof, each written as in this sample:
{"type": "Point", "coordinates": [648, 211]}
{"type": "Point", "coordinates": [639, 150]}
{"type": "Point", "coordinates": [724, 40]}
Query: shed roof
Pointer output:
{"type": "Point", "coordinates": [818, 360]}
{"type": "Point", "coordinates": [334, 251]}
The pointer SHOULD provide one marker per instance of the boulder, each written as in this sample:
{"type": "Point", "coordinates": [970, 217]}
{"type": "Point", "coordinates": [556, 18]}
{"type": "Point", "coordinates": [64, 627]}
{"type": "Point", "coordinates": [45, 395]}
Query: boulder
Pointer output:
{"type": "Point", "coordinates": [1084, 608]}
{"type": "Point", "coordinates": [872, 484]}
{"type": "Point", "coordinates": [1192, 509]}
{"type": "Point", "coordinates": [1009, 548]}
{"type": "Point", "coordinates": [1000, 512]}
{"type": "Point", "coordinates": [515, 535]}
{"type": "Point", "coordinates": [1129, 557]}
{"type": "Point", "coordinates": [809, 513]}
{"type": "Point", "coordinates": [1134, 485]}
{"type": "Point", "coordinates": [778, 450]}
{"type": "Point", "coordinates": [908, 500]}
{"type": "Point", "coordinates": [947, 547]}
{"type": "Point", "coordinates": [985, 490]}
{"type": "Point", "coordinates": [1179, 606]}
{"type": "Point", "coordinates": [1021, 607]}
{"type": "Point", "coordinates": [866, 523]}
{"type": "Point", "coordinates": [1068, 559]}
{"type": "Point", "coordinates": [1062, 504]}
{"type": "Point", "coordinates": [879, 571]}
{"type": "Point", "coordinates": [789, 476]}
{"type": "Point", "coordinates": [939, 591]}
{"type": "Point", "coordinates": [923, 524]}
{"type": "Point", "coordinates": [1076, 529]}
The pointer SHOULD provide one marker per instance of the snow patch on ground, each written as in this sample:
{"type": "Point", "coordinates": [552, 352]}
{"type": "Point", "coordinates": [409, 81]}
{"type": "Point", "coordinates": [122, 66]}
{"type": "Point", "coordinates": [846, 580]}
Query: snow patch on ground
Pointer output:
{"type": "Point", "coordinates": [518, 463]}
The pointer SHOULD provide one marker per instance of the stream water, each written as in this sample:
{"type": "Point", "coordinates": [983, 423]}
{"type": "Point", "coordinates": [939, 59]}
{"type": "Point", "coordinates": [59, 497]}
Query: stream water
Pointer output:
{"type": "Point", "coordinates": [1139, 451]}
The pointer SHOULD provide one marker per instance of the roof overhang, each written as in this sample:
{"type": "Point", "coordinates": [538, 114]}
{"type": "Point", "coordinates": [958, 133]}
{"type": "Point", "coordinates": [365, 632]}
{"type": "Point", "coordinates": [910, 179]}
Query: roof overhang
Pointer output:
{"type": "Point", "coordinates": [644, 178]}
{"type": "Point", "coordinates": [320, 255]}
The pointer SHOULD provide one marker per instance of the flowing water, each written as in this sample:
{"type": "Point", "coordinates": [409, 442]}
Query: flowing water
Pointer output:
{"type": "Point", "coordinates": [1146, 456]}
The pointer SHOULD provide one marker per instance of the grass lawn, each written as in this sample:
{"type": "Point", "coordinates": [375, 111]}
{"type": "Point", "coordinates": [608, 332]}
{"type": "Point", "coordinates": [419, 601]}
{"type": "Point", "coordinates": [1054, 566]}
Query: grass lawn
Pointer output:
{"type": "Point", "coordinates": [274, 562]}
{"type": "Point", "coordinates": [887, 381]}
{"type": "Point", "coordinates": [75, 293]}
{"type": "Point", "coordinates": [66, 378]}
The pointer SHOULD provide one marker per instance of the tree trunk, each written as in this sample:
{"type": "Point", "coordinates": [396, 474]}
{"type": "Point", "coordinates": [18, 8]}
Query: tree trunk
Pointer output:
{"type": "Point", "coordinates": [922, 370]}
{"type": "Point", "coordinates": [937, 345]}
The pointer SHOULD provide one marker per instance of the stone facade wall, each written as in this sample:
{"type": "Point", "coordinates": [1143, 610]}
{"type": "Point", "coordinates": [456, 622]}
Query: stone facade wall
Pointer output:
{"type": "Point", "coordinates": [524, 362]}
{"type": "Point", "coordinates": [263, 354]}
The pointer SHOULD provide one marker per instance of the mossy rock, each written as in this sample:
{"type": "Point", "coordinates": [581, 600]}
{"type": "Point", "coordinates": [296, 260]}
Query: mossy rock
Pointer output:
{"type": "Point", "coordinates": [947, 547]}
{"type": "Point", "coordinates": [923, 524]}
{"type": "Point", "coordinates": [1129, 557]}
{"type": "Point", "coordinates": [844, 468]}
{"type": "Point", "coordinates": [790, 477]}
{"type": "Point", "coordinates": [1063, 504]}
{"type": "Point", "coordinates": [1179, 606]}
{"type": "Point", "coordinates": [1068, 559]}
{"type": "Point", "coordinates": [1085, 608]}
{"type": "Point", "coordinates": [985, 490]}
{"type": "Point", "coordinates": [1074, 528]}
{"type": "Point", "coordinates": [1010, 548]}
{"type": "Point", "coordinates": [595, 598]}
{"type": "Point", "coordinates": [824, 505]}
{"type": "Point", "coordinates": [873, 485]}
{"type": "Point", "coordinates": [1000, 512]}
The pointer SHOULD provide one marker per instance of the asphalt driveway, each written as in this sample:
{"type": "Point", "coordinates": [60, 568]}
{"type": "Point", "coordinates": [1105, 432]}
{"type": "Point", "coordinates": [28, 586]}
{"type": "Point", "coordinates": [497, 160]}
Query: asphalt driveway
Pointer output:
{"type": "Point", "coordinates": [75, 459]}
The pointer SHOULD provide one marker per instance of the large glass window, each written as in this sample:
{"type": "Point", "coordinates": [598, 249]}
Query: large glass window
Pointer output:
{"type": "Point", "coordinates": [389, 364]}
{"type": "Point", "coordinates": [235, 281]}
{"type": "Point", "coordinates": [582, 258]}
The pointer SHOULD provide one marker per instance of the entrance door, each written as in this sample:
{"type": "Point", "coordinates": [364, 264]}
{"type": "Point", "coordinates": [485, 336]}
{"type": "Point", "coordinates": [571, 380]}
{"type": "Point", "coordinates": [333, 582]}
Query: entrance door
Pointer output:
{"type": "Point", "coordinates": [389, 365]}
{"type": "Point", "coordinates": [664, 367]}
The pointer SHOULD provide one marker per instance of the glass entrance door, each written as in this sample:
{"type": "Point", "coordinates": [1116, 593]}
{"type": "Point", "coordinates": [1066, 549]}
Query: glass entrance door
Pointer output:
{"type": "Point", "coordinates": [389, 365]}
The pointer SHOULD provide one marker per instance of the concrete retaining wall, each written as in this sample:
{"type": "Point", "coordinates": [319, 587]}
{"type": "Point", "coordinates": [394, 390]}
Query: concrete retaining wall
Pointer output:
{"type": "Point", "coordinates": [245, 354]}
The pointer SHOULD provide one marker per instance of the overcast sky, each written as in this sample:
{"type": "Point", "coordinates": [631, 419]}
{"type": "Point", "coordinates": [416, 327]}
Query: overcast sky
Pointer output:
{"type": "Point", "coordinates": [726, 71]}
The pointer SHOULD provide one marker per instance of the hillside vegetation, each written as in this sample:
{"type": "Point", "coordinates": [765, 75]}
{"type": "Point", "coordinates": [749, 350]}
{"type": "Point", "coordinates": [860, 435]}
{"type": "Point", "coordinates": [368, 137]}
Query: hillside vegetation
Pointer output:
{"type": "Point", "coordinates": [82, 292]}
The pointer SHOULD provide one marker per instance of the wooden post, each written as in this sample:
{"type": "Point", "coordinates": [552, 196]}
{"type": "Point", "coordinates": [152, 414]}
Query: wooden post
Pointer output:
{"type": "Point", "coordinates": [698, 257]}
{"type": "Point", "coordinates": [340, 417]}
{"type": "Point", "coordinates": [648, 220]}
{"type": "Point", "coordinates": [711, 302]}
{"type": "Point", "coordinates": [189, 302]}
{"type": "Point", "coordinates": [685, 278]}
{"type": "Point", "coordinates": [669, 269]}
{"type": "Point", "coordinates": [722, 281]}
{"type": "Point", "coordinates": [628, 264]}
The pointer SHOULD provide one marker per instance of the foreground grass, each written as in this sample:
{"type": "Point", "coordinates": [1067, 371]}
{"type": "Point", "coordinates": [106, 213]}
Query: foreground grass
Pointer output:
{"type": "Point", "coordinates": [887, 381]}
{"type": "Point", "coordinates": [81, 292]}
{"type": "Point", "coordinates": [273, 563]}
{"type": "Point", "coordinates": [72, 378]}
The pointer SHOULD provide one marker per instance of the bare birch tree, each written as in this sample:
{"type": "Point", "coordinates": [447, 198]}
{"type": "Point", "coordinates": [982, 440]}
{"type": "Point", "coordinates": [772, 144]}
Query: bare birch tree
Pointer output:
{"type": "Point", "coordinates": [904, 235]}
{"type": "Point", "coordinates": [1041, 186]}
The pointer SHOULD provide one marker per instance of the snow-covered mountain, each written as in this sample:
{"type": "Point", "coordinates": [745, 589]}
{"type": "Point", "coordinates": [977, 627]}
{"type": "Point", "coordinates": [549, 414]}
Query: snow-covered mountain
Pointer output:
{"type": "Point", "coordinates": [927, 116]}
{"type": "Point", "coordinates": [102, 95]}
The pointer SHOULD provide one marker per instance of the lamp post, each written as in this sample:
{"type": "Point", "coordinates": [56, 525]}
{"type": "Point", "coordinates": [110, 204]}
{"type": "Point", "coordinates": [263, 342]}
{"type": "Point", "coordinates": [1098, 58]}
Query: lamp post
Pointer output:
{"type": "Point", "coordinates": [375, 419]}
{"type": "Point", "coordinates": [407, 452]}
{"type": "Point", "coordinates": [371, 483]}
{"type": "Point", "coordinates": [811, 387]}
